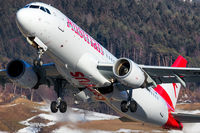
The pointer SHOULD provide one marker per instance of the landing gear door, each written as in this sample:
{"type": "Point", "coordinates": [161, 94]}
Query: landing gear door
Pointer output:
{"type": "Point", "coordinates": [40, 43]}
{"type": "Point", "coordinates": [36, 43]}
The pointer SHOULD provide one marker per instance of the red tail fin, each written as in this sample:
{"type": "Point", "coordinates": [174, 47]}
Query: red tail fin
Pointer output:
{"type": "Point", "coordinates": [180, 62]}
{"type": "Point", "coordinates": [170, 91]}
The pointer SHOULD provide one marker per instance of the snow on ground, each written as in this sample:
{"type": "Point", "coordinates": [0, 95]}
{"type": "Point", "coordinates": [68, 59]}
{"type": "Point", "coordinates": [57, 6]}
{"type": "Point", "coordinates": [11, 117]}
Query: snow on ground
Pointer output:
{"type": "Point", "coordinates": [72, 115]}
{"type": "Point", "coordinates": [188, 128]}
{"type": "Point", "coordinates": [91, 116]}
{"type": "Point", "coordinates": [3, 132]}
{"type": "Point", "coordinates": [191, 128]}
{"type": "Point", "coordinates": [76, 115]}
{"type": "Point", "coordinates": [9, 105]}
{"type": "Point", "coordinates": [29, 129]}
{"type": "Point", "coordinates": [69, 130]}
{"type": "Point", "coordinates": [45, 108]}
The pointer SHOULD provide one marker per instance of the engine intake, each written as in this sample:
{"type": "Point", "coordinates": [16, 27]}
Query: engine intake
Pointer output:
{"type": "Point", "coordinates": [129, 73]}
{"type": "Point", "coordinates": [22, 73]}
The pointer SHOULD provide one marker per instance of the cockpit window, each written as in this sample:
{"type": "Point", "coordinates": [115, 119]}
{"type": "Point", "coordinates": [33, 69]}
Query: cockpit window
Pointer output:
{"type": "Point", "coordinates": [42, 8]}
{"type": "Point", "coordinates": [26, 6]}
{"type": "Point", "coordinates": [34, 6]}
{"type": "Point", "coordinates": [48, 11]}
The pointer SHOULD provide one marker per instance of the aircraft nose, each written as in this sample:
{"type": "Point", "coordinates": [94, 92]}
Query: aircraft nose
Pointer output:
{"type": "Point", "coordinates": [23, 21]}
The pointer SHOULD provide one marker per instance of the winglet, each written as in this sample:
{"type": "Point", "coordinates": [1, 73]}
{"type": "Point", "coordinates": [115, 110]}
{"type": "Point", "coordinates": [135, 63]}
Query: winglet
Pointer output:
{"type": "Point", "coordinates": [180, 62]}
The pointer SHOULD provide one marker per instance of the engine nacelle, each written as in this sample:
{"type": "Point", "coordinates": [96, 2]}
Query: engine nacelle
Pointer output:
{"type": "Point", "coordinates": [22, 74]}
{"type": "Point", "coordinates": [129, 73]}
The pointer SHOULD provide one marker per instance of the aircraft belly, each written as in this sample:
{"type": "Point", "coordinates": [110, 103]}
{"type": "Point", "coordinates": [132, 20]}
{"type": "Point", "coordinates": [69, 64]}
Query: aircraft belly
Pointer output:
{"type": "Point", "coordinates": [150, 109]}
{"type": "Point", "coordinates": [155, 109]}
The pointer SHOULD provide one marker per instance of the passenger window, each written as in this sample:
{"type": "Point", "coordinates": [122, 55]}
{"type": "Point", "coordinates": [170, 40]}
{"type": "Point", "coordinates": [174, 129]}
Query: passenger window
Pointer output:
{"type": "Point", "coordinates": [42, 8]}
{"type": "Point", "coordinates": [48, 11]}
{"type": "Point", "coordinates": [26, 6]}
{"type": "Point", "coordinates": [34, 6]}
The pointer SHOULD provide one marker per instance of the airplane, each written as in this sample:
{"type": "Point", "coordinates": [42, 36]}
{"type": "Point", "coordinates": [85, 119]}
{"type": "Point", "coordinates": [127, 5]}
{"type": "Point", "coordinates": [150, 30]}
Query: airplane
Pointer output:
{"type": "Point", "coordinates": [137, 92]}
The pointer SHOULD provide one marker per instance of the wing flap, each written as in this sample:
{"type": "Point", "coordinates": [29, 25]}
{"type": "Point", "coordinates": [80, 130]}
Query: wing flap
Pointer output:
{"type": "Point", "coordinates": [167, 74]}
{"type": "Point", "coordinates": [187, 118]}
{"type": "Point", "coordinates": [159, 74]}
{"type": "Point", "coordinates": [51, 70]}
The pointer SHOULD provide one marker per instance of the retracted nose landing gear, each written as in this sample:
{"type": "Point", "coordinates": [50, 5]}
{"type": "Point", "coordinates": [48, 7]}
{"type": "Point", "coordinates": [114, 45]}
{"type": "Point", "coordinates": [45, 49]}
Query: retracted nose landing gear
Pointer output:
{"type": "Point", "coordinates": [59, 85]}
{"type": "Point", "coordinates": [129, 104]}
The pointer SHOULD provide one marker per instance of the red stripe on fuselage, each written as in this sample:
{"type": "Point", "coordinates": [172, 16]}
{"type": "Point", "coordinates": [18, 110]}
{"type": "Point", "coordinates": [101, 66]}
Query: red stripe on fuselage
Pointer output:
{"type": "Point", "coordinates": [172, 123]}
{"type": "Point", "coordinates": [175, 86]}
{"type": "Point", "coordinates": [164, 95]}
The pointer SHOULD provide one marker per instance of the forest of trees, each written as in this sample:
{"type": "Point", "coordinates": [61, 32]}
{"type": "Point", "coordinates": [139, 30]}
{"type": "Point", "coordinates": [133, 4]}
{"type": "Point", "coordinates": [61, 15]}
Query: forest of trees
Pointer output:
{"type": "Point", "coordinates": [150, 32]}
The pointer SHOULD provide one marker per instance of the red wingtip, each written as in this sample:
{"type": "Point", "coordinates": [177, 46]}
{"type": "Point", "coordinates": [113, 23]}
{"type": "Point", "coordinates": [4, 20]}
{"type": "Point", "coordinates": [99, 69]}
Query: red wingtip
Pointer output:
{"type": "Point", "coordinates": [180, 62]}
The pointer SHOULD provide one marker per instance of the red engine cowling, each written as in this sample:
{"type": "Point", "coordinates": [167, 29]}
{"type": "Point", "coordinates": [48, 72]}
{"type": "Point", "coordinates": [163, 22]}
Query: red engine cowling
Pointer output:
{"type": "Point", "coordinates": [129, 73]}
{"type": "Point", "coordinates": [22, 74]}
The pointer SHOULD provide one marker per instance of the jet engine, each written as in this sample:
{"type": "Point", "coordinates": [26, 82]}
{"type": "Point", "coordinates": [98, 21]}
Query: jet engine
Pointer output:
{"type": "Point", "coordinates": [128, 73]}
{"type": "Point", "coordinates": [22, 73]}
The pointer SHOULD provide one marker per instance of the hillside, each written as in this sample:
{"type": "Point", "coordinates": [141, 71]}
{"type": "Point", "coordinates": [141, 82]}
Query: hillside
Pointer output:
{"type": "Point", "coordinates": [151, 32]}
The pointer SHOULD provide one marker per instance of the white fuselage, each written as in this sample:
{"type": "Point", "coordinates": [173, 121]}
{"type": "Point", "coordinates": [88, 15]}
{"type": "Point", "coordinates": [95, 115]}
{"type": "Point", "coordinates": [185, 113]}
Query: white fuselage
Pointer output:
{"type": "Point", "coordinates": [77, 55]}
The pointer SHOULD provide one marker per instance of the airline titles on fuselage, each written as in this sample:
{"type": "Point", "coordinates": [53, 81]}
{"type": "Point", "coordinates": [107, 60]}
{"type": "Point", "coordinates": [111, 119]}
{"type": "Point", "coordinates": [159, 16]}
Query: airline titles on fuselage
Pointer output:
{"type": "Point", "coordinates": [85, 36]}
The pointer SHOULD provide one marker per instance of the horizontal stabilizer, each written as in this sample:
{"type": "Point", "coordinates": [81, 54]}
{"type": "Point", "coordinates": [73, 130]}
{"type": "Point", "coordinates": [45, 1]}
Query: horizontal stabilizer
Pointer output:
{"type": "Point", "coordinates": [187, 118]}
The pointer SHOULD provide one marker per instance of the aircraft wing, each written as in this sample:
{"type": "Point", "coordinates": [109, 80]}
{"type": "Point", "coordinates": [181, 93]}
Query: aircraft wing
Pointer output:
{"type": "Point", "coordinates": [172, 74]}
{"type": "Point", "coordinates": [159, 74]}
{"type": "Point", "coordinates": [49, 70]}
{"type": "Point", "coordinates": [106, 70]}
{"type": "Point", "coordinates": [3, 77]}
{"type": "Point", "coordinates": [187, 118]}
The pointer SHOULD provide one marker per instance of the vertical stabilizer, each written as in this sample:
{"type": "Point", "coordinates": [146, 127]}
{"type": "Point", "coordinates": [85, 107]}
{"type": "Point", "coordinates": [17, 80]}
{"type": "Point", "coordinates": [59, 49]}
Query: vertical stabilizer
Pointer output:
{"type": "Point", "coordinates": [170, 91]}
{"type": "Point", "coordinates": [180, 62]}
